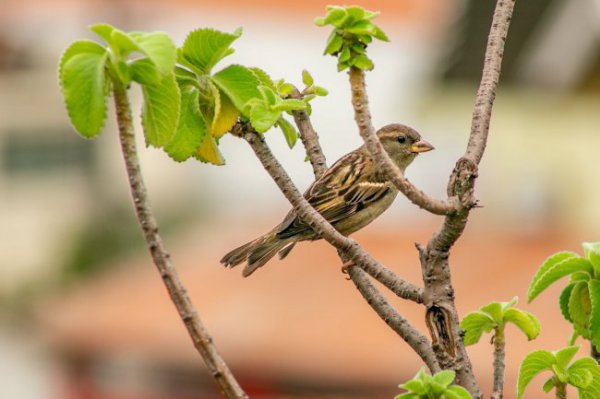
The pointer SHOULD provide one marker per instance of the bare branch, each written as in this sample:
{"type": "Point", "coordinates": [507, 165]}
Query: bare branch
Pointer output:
{"type": "Point", "coordinates": [499, 356]}
{"type": "Point", "coordinates": [202, 340]}
{"type": "Point", "coordinates": [319, 224]}
{"type": "Point", "coordinates": [392, 318]}
{"type": "Point", "coordinates": [310, 140]}
{"type": "Point", "coordinates": [362, 115]}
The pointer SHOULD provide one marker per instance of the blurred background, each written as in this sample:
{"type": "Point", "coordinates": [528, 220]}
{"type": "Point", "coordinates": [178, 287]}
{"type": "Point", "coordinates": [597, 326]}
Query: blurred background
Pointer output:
{"type": "Point", "coordinates": [83, 314]}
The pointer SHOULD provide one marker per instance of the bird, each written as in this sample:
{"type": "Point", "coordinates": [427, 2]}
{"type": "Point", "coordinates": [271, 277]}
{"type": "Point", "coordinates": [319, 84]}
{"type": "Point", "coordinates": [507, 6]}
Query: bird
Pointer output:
{"type": "Point", "coordinates": [350, 194]}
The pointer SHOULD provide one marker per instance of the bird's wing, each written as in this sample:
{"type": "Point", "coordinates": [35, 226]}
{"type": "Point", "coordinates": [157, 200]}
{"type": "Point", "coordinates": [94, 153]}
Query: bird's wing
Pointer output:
{"type": "Point", "coordinates": [342, 191]}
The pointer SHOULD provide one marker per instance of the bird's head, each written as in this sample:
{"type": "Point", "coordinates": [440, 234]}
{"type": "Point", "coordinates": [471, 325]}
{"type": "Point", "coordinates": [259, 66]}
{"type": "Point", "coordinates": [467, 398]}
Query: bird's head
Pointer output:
{"type": "Point", "coordinates": [402, 143]}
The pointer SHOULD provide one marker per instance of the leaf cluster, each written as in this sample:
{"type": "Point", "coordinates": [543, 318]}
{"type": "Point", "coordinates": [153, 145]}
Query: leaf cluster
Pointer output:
{"type": "Point", "coordinates": [495, 316]}
{"type": "Point", "coordinates": [353, 32]}
{"type": "Point", "coordinates": [580, 299]}
{"type": "Point", "coordinates": [187, 108]}
{"type": "Point", "coordinates": [583, 374]}
{"type": "Point", "coordinates": [438, 386]}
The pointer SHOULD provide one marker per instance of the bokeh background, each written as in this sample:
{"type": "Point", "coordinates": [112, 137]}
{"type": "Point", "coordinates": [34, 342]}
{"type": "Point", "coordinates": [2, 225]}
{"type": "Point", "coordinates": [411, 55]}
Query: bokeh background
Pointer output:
{"type": "Point", "coordinates": [83, 314]}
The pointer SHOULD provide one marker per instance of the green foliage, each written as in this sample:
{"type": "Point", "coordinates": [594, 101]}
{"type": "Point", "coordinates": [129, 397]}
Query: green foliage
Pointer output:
{"type": "Point", "coordinates": [583, 374]}
{"type": "Point", "coordinates": [203, 48]}
{"type": "Point", "coordinates": [438, 386]}
{"type": "Point", "coordinates": [352, 33]}
{"type": "Point", "coordinates": [580, 299]}
{"type": "Point", "coordinates": [160, 112]}
{"type": "Point", "coordinates": [495, 316]}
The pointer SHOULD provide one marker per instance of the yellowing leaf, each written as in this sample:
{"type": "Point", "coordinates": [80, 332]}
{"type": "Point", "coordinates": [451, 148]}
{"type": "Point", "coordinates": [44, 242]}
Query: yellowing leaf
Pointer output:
{"type": "Point", "coordinates": [209, 152]}
{"type": "Point", "coordinates": [226, 115]}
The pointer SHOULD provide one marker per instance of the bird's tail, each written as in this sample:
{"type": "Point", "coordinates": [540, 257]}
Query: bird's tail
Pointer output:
{"type": "Point", "coordinates": [257, 253]}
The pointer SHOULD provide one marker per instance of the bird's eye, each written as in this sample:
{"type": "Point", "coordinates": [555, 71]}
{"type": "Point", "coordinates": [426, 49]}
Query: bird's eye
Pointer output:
{"type": "Point", "coordinates": [401, 139]}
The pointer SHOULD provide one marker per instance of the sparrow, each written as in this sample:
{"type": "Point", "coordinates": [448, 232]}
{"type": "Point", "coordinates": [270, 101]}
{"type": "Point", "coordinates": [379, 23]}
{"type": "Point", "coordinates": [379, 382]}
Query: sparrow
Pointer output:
{"type": "Point", "coordinates": [352, 193]}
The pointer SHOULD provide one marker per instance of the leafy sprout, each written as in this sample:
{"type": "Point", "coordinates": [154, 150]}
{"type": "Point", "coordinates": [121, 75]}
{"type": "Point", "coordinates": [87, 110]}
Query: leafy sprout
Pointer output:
{"type": "Point", "coordinates": [583, 374]}
{"type": "Point", "coordinates": [438, 386]}
{"type": "Point", "coordinates": [580, 299]}
{"type": "Point", "coordinates": [353, 32]}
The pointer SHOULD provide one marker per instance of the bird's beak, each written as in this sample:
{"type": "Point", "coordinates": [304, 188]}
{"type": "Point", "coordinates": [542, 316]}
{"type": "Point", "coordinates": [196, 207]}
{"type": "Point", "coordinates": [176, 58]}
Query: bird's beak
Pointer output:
{"type": "Point", "coordinates": [421, 146]}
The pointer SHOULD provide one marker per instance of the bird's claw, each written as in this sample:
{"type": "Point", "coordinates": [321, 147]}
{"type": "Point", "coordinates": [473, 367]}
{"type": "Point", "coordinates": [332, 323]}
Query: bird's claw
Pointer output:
{"type": "Point", "coordinates": [345, 268]}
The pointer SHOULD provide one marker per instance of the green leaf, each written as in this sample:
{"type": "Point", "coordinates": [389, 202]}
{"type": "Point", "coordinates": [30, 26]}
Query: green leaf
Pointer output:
{"type": "Point", "coordinates": [564, 356]}
{"type": "Point", "coordinates": [290, 134]}
{"type": "Point", "coordinates": [85, 86]}
{"type": "Point", "coordinates": [268, 95]}
{"type": "Point", "coordinates": [185, 77]}
{"type": "Point", "coordinates": [335, 16]}
{"type": "Point", "coordinates": [592, 391]}
{"type": "Point", "coordinates": [592, 253]}
{"type": "Point", "coordinates": [144, 72]}
{"type": "Point", "coordinates": [307, 79]}
{"type": "Point", "coordinates": [581, 378]}
{"type": "Point", "coordinates": [320, 91]}
{"type": "Point", "coordinates": [103, 30]}
{"type": "Point", "coordinates": [494, 310]}
{"type": "Point", "coordinates": [334, 43]}
{"type": "Point", "coordinates": [362, 27]}
{"type": "Point", "coordinates": [262, 117]}
{"type": "Point", "coordinates": [263, 78]}
{"type": "Point", "coordinates": [408, 395]}
{"type": "Point", "coordinates": [550, 262]}
{"type": "Point", "coordinates": [290, 104]}
{"type": "Point", "coordinates": [549, 384]}
{"type": "Point", "coordinates": [580, 308]}
{"type": "Point", "coordinates": [239, 83]}
{"type": "Point", "coordinates": [475, 324]}
{"type": "Point", "coordinates": [555, 272]}
{"type": "Point", "coordinates": [160, 111]}
{"type": "Point", "coordinates": [203, 48]}
{"type": "Point", "coordinates": [533, 364]}
{"type": "Point", "coordinates": [209, 152]}
{"type": "Point", "coordinates": [565, 295]}
{"type": "Point", "coordinates": [594, 324]}
{"type": "Point", "coordinates": [414, 385]}
{"type": "Point", "coordinates": [525, 321]}
{"type": "Point", "coordinates": [158, 47]}
{"type": "Point", "coordinates": [457, 392]}
{"type": "Point", "coordinates": [379, 34]}
{"type": "Point", "coordinates": [191, 127]}
{"type": "Point", "coordinates": [444, 377]}
{"type": "Point", "coordinates": [225, 117]}
{"type": "Point", "coordinates": [344, 55]}
{"type": "Point", "coordinates": [363, 62]}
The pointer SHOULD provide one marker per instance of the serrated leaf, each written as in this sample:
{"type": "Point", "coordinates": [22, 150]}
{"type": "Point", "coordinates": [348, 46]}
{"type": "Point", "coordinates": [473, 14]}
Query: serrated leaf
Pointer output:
{"type": "Point", "coordinates": [444, 377]}
{"type": "Point", "coordinates": [580, 309]}
{"type": "Point", "coordinates": [592, 253]}
{"type": "Point", "coordinates": [550, 262]}
{"type": "Point", "coordinates": [592, 391]}
{"type": "Point", "coordinates": [549, 384]}
{"type": "Point", "coordinates": [144, 72]}
{"type": "Point", "coordinates": [290, 134]}
{"type": "Point", "coordinates": [160, 112]}
{"type": "Point", "coordinates": [494, 310]}
{"type": "Point", "coordinates": [457, 392]}
{"type": "Point", "coordinates": [239, 84]}
{"type": "Point", "coordinates": [363, 62]}
{"type": "Point", "coordinates": [564, 356]}
{"type": "Point", "coordinates": [555, 272]}
{"type": "Point", "coordinates": [334, 43]}
{"type": "Point", "coordinates": [262, 117]}
{"type": "Point", "coordinates": [85, 86]}
{"type": "Point", "coordinates": [203, 48]}
{"type": "Point", "coordinates": [533, 364]}
{"type": "Point", "coordinates": [209, 152]}
{"type": "Point", "coordinates": [158, 47]}
{"type": "Point", "coordinates": [263, 78]}
{"type": "Point", "coordinates": [191, 128]}
{"type": "Point", "coordinates": [475, 324]}
{"type": "Point", "coordinates": [565, 295]}
{"type": "Point", "coordinates": [581, 378]}
{"type": "Point", "coordinates": [594, 324]}
{"type": "Point", "coordinates": [525, 321]}
{"type": "Point", "coordinates": [225, 118]}
{"type": "Point", "coordinates": [290, 104]}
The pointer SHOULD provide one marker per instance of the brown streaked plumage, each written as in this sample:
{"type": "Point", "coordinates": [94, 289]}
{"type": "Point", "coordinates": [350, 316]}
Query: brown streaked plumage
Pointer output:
{"type": "Point", "coordinates": [350, 194]}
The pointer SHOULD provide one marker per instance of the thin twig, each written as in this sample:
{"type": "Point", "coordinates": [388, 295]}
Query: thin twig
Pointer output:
{"type": "Point", "coordinates": [392, 318]}
{"type": "Point", "coordinates": [310, 140]}
{"type": "Point", "coordinates": [499, 365]}
{"type": "Point", "coordinates": [362, 115]}
{"type": "Point", "coordinates": [202, 340]}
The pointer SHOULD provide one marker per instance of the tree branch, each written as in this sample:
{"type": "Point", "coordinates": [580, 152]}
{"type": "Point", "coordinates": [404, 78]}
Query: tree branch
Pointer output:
{"type": "Point", "coordinates": [200, 337]}
{"type": "Point", "coordinates": [362, 115]}
{"type": "Point", "coordinates": [392, 318]}
{"type": "Point", "coordinates": [310, 140]}
{"type": "Point", "coordinates": [499, 356]}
